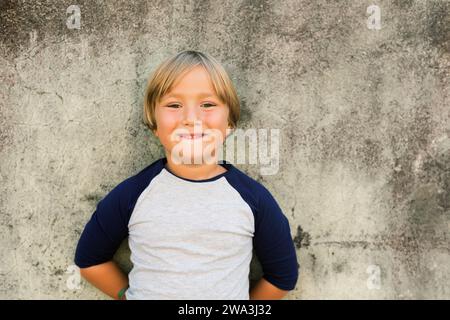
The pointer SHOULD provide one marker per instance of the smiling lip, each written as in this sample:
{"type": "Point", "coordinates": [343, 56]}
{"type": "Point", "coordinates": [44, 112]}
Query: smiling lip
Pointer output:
{"type": "Point", "coordinates": [192, 136]}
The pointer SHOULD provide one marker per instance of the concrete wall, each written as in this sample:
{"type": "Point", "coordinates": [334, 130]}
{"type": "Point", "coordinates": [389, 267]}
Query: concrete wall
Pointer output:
{"type": "Point", "coordinates": [363, 113]}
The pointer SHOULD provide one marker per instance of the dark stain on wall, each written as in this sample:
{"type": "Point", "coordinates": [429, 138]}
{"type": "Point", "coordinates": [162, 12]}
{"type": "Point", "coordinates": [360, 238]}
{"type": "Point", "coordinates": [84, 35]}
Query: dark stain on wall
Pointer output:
{"type": "Point", "coordinates": [338, 267]}
{"type": "Point", "coordinates": [251, 20]}
{"type": "Point", "coordinates": [8, 80]}
{"type": "Point", "coordinates": [47, 18]}
{"type": "Point", "coordinates": [5, 131]}
{"type": "Point", "coordinates": [403, 4]}
{"type": "Point", "coordinates": [348, 140]}
{"type": "Point", "coordinates": [302, 238]}
{"type": "Point", "coordinates": [438, 24]}
{"type": "Point", "coordinates": [313, 260]}
{"type": "Point", "coordinates": [93, 198]}
{"type": "Point", "coordinates": [420, 213]}
{"type": "Point", "coordinates": [245, 113]}
{"type": "Point", "coordinates": [408, 138]}
{"type": "Point", "coordinates": [429, 200]}
{"type": "Point", "coordinates": [18, 20]}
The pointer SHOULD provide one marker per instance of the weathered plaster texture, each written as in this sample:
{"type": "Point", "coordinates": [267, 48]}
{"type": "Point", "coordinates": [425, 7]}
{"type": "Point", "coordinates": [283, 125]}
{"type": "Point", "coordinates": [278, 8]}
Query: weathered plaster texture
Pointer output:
{"type": "Point", "coordinates": [364, 117]}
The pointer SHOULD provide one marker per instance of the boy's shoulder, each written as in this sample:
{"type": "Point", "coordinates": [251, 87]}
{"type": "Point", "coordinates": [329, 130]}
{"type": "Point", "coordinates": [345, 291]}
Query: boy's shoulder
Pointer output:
{"type": "Point", "coordinates": [246, 179]}
{"type": "Point", "coordinates": [251, 190]}
{"type": "Point", "coordinates": [132, 186]}
{"type": "Point", "coordinates": [148, 172]}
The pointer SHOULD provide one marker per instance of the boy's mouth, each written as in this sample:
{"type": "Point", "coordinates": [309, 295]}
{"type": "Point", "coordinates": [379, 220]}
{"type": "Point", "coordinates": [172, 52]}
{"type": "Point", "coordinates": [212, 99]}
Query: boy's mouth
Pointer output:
{"type": "Point", "coordinates": [192, 136]}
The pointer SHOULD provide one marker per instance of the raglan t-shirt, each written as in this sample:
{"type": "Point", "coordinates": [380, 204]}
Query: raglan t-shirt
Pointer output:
{"type": "Point", "coordinates": [191, 239]}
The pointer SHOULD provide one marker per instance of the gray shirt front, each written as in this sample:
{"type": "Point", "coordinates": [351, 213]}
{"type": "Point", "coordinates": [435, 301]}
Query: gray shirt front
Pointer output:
{"type": "Point", "coordinates": [190, 240]}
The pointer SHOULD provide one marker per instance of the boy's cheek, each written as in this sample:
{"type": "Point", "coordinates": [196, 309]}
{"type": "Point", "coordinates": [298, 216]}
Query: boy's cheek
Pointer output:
{"type": "Point", "coordinates": [165, 138]}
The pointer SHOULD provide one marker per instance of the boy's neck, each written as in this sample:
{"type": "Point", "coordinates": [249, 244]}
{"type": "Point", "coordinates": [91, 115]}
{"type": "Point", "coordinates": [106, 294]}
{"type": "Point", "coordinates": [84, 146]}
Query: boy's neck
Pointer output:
{"type": "Point", "coordinates": [194, 171]}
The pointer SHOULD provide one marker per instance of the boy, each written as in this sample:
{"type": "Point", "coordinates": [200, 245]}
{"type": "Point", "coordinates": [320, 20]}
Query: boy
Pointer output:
{"type": "Point", "coordinates": [191, 224]}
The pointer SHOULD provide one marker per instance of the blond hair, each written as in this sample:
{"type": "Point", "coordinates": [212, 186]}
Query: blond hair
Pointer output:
{"type": "Point", "coordinates": [167, 72]}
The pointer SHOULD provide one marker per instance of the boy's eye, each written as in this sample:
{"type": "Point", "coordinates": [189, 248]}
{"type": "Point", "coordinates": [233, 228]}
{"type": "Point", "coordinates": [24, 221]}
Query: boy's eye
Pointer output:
{"type": "Point", "coordinates": [176, 106]}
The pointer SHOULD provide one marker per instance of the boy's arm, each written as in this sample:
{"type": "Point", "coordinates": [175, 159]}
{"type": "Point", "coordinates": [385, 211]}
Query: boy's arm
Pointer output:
{"type": "Point", "coordinates": [101, 238]}
{"type": "Point", "coordinates": [264, 290]}
{"type": "Point", "coordinates": [107, 277]}
{"type": "Point", "coordinates": [275, 250]}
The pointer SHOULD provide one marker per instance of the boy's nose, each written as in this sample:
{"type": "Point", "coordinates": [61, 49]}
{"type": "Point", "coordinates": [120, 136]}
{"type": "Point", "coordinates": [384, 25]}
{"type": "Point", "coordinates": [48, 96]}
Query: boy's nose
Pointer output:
{"type": "Point", "coordinates": [190, 116]}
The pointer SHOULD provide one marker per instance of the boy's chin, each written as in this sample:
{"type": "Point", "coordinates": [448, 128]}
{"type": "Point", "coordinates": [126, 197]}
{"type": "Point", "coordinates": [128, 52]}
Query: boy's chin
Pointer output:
{"type": "Point", "coordinates": [193, 159]}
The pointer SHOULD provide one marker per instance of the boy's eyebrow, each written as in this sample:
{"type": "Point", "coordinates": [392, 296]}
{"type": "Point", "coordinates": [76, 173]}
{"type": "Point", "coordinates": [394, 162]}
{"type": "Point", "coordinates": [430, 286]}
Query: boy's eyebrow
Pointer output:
{"type": "Point", "coordinates": [201, 94]}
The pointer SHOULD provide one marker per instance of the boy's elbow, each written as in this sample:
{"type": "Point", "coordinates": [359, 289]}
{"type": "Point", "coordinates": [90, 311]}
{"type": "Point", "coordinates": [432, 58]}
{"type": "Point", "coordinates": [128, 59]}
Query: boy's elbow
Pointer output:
{"type": "Point", "coordinates": [88, 272]}
{"type": "Point", "coordinates": [85, 268]}
{"type": "Point", "coordinates": [282, 284]}
{"type": "Point", "coordinates": [289, 282]}
{"type": "Point", "coordinates": [84, 271]}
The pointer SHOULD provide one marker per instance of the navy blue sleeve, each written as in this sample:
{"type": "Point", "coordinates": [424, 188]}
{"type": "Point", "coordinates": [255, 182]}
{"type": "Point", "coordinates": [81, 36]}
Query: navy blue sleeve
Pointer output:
{"type": "Point", "coordinates": [273, 243]}
{"type": "Point", "coordinates": [106, 229]}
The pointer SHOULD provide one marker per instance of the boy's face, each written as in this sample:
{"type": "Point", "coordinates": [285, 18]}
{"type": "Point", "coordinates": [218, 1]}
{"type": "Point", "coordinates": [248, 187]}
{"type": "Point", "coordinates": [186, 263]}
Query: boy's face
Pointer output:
{"type": "Point", "coordinates": [191, 120]}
